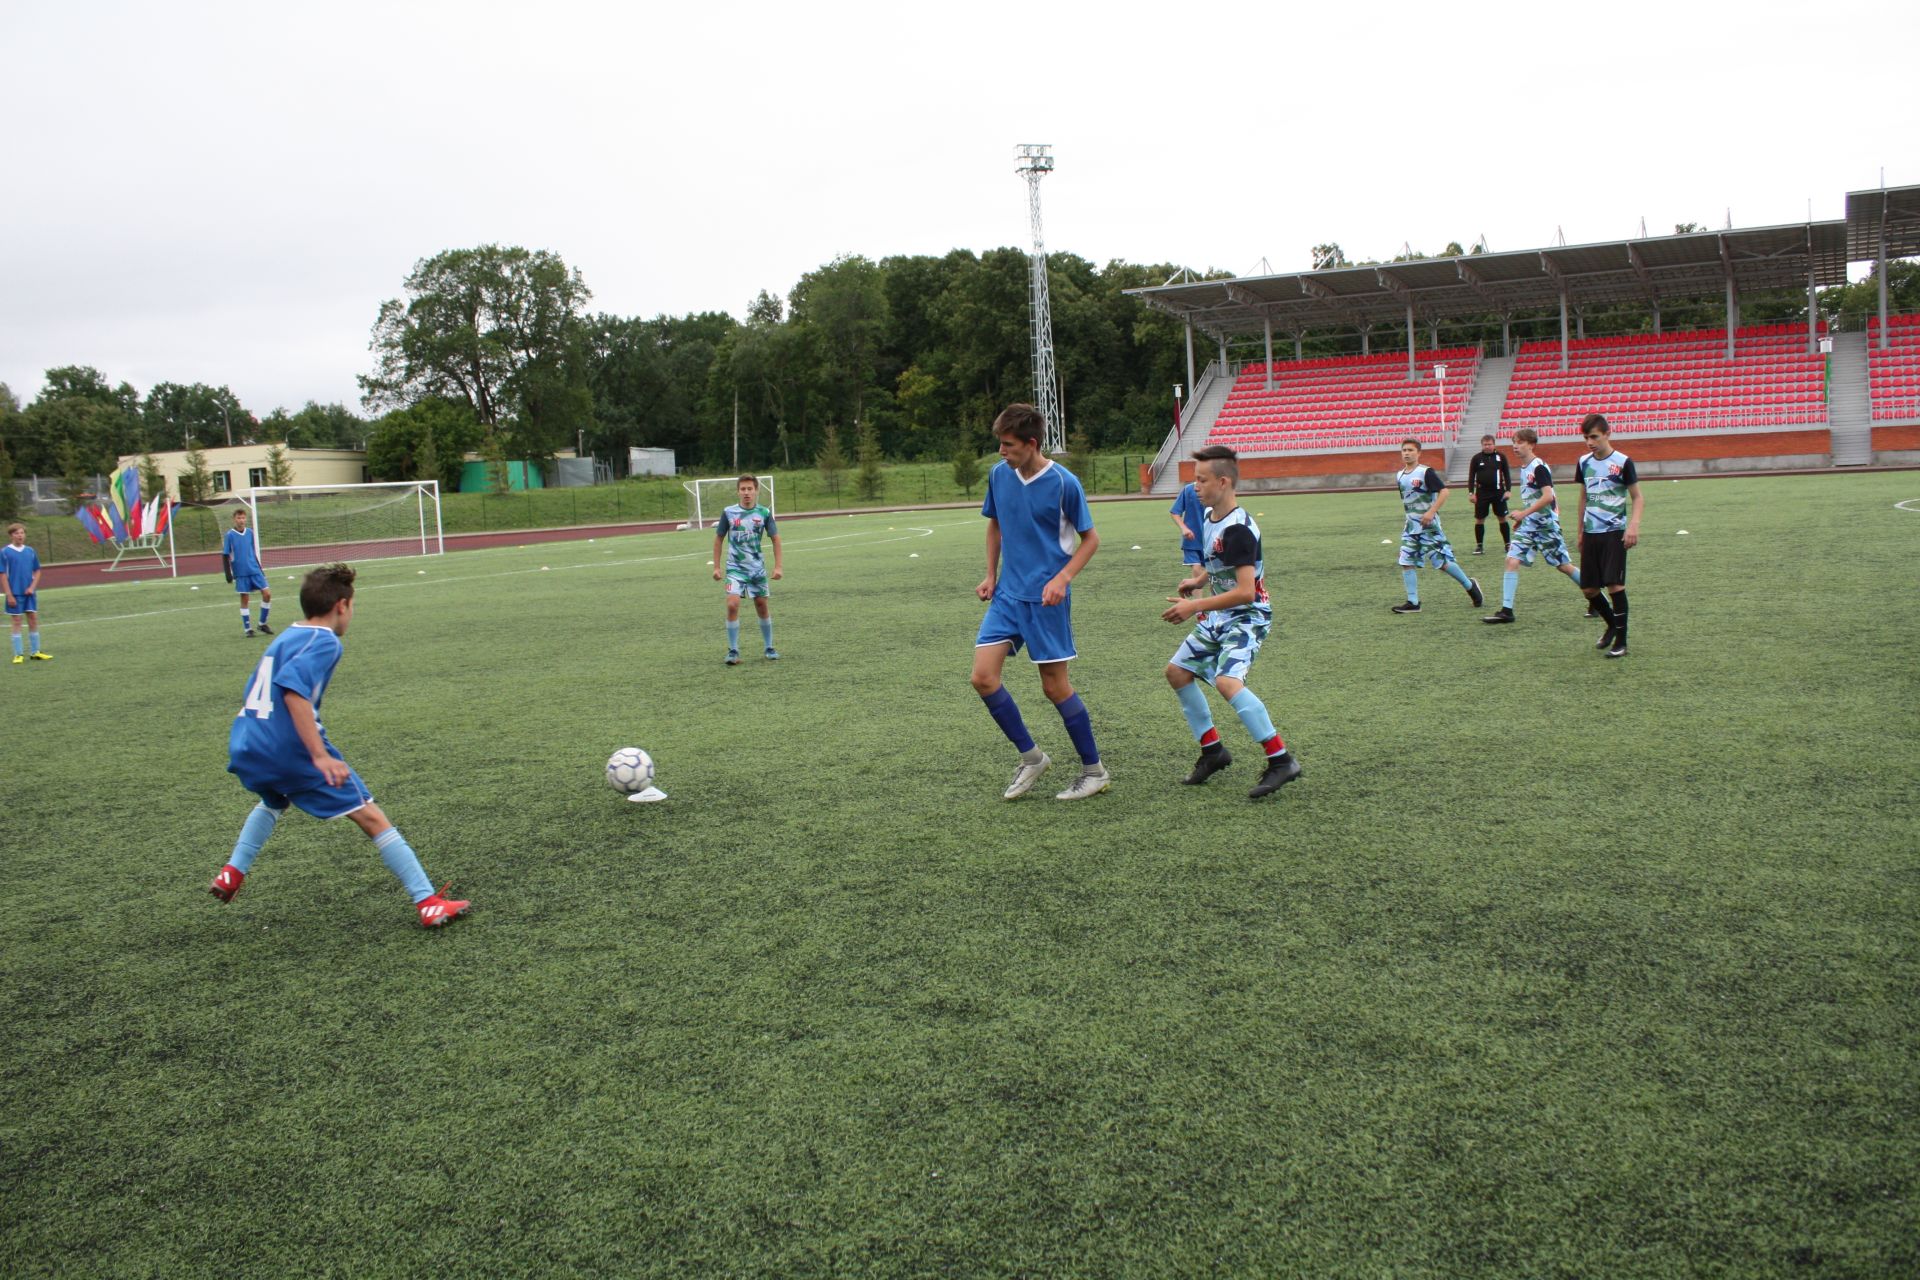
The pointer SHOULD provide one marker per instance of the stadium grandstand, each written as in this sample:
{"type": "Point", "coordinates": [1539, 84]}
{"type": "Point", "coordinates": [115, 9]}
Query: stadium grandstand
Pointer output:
{"type": "Point", "coordinates": [1733, 397]}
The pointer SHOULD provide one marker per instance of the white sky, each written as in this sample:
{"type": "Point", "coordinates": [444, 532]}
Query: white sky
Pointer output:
{"type": "Point", "coordinates": [224, 193]}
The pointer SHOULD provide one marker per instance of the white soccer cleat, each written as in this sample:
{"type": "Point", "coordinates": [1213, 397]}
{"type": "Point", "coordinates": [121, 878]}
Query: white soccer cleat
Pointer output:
{"type": "Point", "coordinates": [1092, 781]}
{"type": "Point", "coordinates": [1025, 776]}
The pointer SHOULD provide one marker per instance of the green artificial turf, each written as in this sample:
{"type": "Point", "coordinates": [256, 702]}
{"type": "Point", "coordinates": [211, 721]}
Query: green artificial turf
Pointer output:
{"type": "Point", "coordinates": [1549, 966]}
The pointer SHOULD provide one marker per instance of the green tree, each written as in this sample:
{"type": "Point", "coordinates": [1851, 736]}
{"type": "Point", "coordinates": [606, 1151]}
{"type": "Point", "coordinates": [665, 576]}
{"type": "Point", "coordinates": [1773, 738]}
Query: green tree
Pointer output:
{"type": "Point", "coordinates": [493, 451]}
{"type": "Point", "coordinates": [1080, 456]}
{"type": "Point", "coordinates": [872, 476]}
{"type": "Point", "coordinates": [174, 414]}
{"type": "Point", "coordinates": [844, 306]}
{"type": "Point", "coordinates": [76, 476]}
{"type": "Point", "coordinates": [1328, 256]}
{"type": "Point", "coordinates": [493, 327]}
{"type": "Point", "coordinates": [427, 441]}
{"type": "Point", "coordinates": [196, 482]}
{"type": "Point", "coordinates": [9, 496]}
{"type": "Point", "coordinates": [831, 461]}
{"type": "Point", "coordinates": [153, 482]}
{"type": "Point", "coordinates": [279, 465]}
{"type": "Point", "coordinates": [426, 459]}
{"type": "Point", "coordinates": [966, 468]}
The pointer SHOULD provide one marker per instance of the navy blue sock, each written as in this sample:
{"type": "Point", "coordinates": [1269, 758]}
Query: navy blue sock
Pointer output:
{"type": "Point", "coordinates": [1079, 728]}
{"type": "Point", "coordinates": [1006, 714]}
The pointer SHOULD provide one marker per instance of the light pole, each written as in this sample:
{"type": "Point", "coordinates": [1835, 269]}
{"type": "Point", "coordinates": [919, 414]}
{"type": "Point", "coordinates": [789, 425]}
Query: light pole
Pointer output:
{"type": "Point", "coordinates": [1176, 407]}
{"type": "Point", "coordinates": [1440, 375]}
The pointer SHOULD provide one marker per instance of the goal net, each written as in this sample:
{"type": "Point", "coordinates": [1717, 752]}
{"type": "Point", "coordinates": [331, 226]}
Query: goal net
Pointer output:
{"type": "Point", "coordinates": [316, 524]}
{"type": "Point", "coordinates": [706, 499]}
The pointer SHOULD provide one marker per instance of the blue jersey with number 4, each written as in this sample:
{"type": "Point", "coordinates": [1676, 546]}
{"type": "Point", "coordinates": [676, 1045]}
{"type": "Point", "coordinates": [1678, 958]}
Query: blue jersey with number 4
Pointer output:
{"type": "Point", "coordinates": [263, 742]}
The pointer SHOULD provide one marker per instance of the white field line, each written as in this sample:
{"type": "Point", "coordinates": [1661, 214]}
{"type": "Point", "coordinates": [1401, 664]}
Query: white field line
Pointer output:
{"type": "Point", "coordinates": [912, 532]}
{"type": "Point", "coordinates": [1902, 506]}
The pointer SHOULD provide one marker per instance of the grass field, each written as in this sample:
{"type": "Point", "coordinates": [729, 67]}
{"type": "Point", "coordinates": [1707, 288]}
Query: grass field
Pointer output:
{"type": "Point", "coordinates": [1549, 966]}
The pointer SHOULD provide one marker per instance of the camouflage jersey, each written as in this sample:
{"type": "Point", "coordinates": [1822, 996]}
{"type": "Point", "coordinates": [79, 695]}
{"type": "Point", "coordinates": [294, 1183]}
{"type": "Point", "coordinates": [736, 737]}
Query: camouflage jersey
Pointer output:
{"type": "Point", "coordinates": [742, 528]}
{"type": "Point", "coordinates": [1228, 544]}
{"type": "Point", "coordinates": [1606, 481]}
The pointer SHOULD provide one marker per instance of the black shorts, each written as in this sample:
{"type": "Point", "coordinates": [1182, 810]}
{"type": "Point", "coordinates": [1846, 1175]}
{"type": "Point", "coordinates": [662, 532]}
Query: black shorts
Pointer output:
{"type": "Point", "coordinates": [1603, 559]}
{"type": "Point", "coordinates": [1482, 501]}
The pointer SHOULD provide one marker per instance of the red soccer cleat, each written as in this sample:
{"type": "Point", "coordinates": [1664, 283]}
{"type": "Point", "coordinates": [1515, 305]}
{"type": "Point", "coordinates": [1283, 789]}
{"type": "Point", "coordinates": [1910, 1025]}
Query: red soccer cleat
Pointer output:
{"type": "Point", "coordinates": [437, 909]}
{"type": "Point", "coordinates": [227, 883]}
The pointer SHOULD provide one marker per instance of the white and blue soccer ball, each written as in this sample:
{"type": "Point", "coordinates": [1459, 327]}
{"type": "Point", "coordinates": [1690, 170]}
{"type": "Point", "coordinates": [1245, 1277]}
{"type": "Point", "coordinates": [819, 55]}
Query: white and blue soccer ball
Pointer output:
{"type": "Point", "coordinates": [629, 770]}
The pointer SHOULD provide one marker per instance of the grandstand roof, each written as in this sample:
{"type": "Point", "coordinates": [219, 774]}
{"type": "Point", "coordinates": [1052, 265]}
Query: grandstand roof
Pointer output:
{"type": "Point", "coordinates": [1692, 265]}
{"type": "Point", "coordinates": [1899, 207]}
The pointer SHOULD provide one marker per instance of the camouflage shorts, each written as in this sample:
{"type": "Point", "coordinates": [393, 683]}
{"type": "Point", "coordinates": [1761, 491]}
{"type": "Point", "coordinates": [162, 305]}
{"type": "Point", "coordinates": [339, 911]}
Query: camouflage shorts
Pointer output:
{"type": "Point", "coordinates": [1226, 648]}
{"type": "Point", "coordinates": [1537, 537]}
{"type": "Point", "coordinates": [741, 582]}
{"type": "Point", "coordinates": [1424, 544]}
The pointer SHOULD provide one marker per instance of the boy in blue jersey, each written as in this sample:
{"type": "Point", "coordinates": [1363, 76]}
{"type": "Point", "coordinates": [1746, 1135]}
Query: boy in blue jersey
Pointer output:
{"type": "Point", "coordinates": [280, 752]}
{"type": "Point", "coordinates": [240, 561]}
{"type": "Point", "coordinates": [1422, 494]}
{"type": "Point", "coordinates": [1034, 506]}
{"type": "Point", "coordinates": [20, 572]}
{"type": "Point", "coordinates": [1188, 515]}
{"type": "Point", "coordinates": [1536, 526]}
{"type": "Point", "coordinates": [1608, 486]}
{"type": "Point", "coordinates": [738, 532]}
{"type": "Point", "coordinates": [1233, 622]}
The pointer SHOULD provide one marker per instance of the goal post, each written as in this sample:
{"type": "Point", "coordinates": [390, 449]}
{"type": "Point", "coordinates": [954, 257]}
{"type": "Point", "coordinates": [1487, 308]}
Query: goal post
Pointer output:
{"type": "Point", "coordinates": [706, 499]}
{"type": "Point", "coordinates": [306, 524]}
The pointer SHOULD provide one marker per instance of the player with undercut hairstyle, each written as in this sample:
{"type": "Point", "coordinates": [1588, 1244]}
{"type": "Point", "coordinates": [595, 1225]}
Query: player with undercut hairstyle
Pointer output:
{"type": "Point", "coordinates": [1609, 486]}
{"type": "Point", "coordinates": [1232, 622]}
{"type": "Point", "coordinates": [1422, 493]}
{"type": "Point", "coordinates": [280, 751]}
{"type": "Point", "coordinates": [1034, 508]}
{"type": "Point", "coordinates": [738, 532]}
{"type": "Point", "coordinates": [1536, 526]}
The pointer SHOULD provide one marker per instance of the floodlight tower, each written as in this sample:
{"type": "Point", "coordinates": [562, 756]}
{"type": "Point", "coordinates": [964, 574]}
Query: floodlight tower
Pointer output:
{"type": "Point", "coordinates": [1036, 162]}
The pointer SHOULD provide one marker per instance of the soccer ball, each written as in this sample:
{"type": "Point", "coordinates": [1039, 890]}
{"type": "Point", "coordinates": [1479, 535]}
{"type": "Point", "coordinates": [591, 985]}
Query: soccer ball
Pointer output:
{"type": "Point", "coordinates": [629, 770]}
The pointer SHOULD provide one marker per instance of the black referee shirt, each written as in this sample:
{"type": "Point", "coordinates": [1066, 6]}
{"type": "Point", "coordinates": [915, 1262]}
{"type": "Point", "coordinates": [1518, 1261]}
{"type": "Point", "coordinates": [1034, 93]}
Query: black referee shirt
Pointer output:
{"type": "Point", "coordinates": [1487, 473]}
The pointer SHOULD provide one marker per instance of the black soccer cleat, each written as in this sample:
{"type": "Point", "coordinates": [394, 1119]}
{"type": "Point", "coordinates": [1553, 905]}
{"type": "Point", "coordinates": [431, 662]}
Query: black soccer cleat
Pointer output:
{"type": "Point", "coordinates": [1606, 639]}
{"type": "Point", "coordinates": [1479, 551]}
{"type": "Point", "coordinates": [1209, 763]}
{"type": "Point", "coordinates": [1406, 606]}
{"type": "Point", "coordinates": [1618, 649]}
{"type": "Point", "coordinates": [1502, 614]}
{"type": "Point", "coordinates": [1592, 612]}
{"type": "Point", "coordinates": [1474, 593]}
{"type": "Point", "coordinates": [265, 630]}
{"type": "Point", "coordinates": [1280, 770]}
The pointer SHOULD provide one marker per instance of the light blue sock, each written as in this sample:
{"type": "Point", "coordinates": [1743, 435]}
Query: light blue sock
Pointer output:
{"type": "Point", "coordinates": [33, 642]}
{"type": "Point", "coordinates": [1079, 727]}
{"type": "Point", "coordinates": [1193, 705]}
{"type": "Point", "coordinates": [1412, 578]}
{"type": "Point", "coordinates": [398, 855]}
{"type": "Point", "coordinates": [1454, 571]}
{"type": "Point", "coordinates": [246, 621]}
{"type": "Point", "coordinates": [733, 636]}
{"type": "Point", "coordinates": [1576, 577]}
{"type": "Point", "coordinates": [1509, 583]}
{"type": "Point", "coordinates": [264, 606]}
{"type": "Point", "coordinates": [18, 652]}
{"type": "Point", "coordinates": [253, 833]}
{"type": "Point", "coordinates": [766, 631]}
{"type": "Point", "coordinates": [1253, 714]}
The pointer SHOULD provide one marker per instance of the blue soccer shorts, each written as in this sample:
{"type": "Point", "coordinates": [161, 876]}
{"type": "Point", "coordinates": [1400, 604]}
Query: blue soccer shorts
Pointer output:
{"type": "Point", "coordinates": [302, 785]}
{"type": "Point", "coordinates": [1226, 647]}
{"type": "Point", "coordinates": [1045, 630]}
{"type": "Point", "coordinates": [246, 582]}
{"type": "Point", "coordinates": [28, 603]}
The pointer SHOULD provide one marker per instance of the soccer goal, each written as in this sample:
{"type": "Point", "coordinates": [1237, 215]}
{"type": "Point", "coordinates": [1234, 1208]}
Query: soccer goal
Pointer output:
{"type": "Point", "coordinates": [706, 499]}
{"type": "Point", "coordinates": [315, 524]}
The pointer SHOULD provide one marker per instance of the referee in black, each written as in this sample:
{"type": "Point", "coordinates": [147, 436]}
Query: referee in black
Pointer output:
{"type": "Point", "coordinates": [1487, 483]}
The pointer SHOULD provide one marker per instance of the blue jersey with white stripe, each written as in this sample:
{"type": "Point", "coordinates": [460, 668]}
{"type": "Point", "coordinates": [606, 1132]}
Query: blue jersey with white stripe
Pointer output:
{"type": "Point", "coordinates": [1039, 520]}
{"type": "Point", "coordinates": [21, 564]}
{"type": "Point", "coordinates": [300, 659]}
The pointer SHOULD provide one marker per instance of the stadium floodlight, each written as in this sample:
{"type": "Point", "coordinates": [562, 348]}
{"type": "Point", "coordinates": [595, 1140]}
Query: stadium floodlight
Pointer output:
{"type": "Point", "coordinates": [1036, 162]}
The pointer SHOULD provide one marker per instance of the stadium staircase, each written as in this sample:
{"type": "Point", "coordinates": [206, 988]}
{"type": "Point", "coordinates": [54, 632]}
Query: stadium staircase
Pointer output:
{"type": "Point", "coordinates": [1196, 423]}
{"type": "Point", "coordinates": [1849, 413]}
{"type": "Point", "coordinates": [1482, 417]}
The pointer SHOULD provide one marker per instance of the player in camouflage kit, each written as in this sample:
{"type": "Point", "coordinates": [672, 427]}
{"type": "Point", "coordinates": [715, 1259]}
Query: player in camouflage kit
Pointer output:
{"type": "Point", "coordinates": [1609, 486]}
{"type": "Point", "coordinates": [736, 557]}
{"type": "Point", "coordinates": [1233, 622]}
{"type": "Point", "coordinates": [1536, 526]}
{"type": "Point", "coordinates": [1422, 494]}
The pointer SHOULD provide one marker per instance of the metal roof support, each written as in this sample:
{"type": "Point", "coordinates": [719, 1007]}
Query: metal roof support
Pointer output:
{"type": "Point", "coordinates": [1190, 387]}
{"type": "Point", "coordinates": [1880, 267]}
{"type": "Point", "coordinates": [1733, 304]}
{"type": "Point", "coordinates": [1813, 299]}
{"type": "Point", "coordinates": [1411, 374]}
{"type": "Point", "coordinates": [1221, 338]}
{"type": "Point", "coordinates": [1552, 268]}
{"type": "Point", "coordinates": [1506, 333]}
{"type": "Point", "coordinates": [1267, 324]}
{"type": "Point", "coordinates": [1298, 336]}
{"type": "Point", "coordinates": [1366, 338]}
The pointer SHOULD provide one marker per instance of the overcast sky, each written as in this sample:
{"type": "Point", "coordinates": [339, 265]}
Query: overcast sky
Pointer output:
{"type": "Point", "coordinates": [225, 193]}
